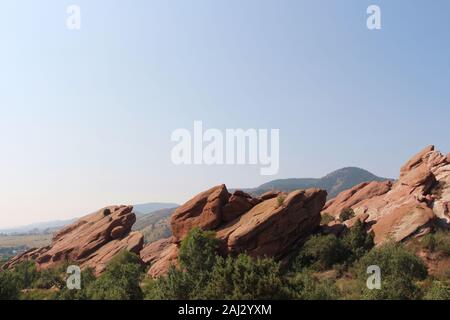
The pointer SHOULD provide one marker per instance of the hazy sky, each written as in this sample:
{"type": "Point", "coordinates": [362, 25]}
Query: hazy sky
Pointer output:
{"type": "Point", "coordinates": [86, 116]}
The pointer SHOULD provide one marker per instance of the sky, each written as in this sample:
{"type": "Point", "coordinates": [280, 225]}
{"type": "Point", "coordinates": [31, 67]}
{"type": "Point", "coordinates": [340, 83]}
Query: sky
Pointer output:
{"type": "Point", "coordinates": [86, 115]}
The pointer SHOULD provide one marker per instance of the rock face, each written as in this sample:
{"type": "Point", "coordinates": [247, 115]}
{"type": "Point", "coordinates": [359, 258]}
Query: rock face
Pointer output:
{"type": "Point", "coordinates": [92, 241]}
{"type": "Point", "coordinates": [203, 211]}
{"type": "Point", "coordinates": [407, 207]}
{"type": "Point", "coordinates": [242, 223]}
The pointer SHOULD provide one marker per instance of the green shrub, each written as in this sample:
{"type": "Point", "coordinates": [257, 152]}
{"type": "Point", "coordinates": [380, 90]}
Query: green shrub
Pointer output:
{"type": "Point", "coordinates": [438, 291]}
{"type": "Point", "coordinates": [400, 270]}
{"type": "Point", "coordinates": [346, 214]}
{"type": "Point", "coordinates": [120, 281]}
{"type": "Point", "coordinates": [304, 286]}
{"type": "Point", "coordinates": [245, 278]}
{"type": "Point", "coordinates": [358, 241]}
{"type": "Point", "coordinates": [87, 279]}
{"type": "Point", "coordinates": [9, 286]}
{"type": "Point", "coordinates": [26, 274]}
{"type": "Point", "coordinates": [326, 219]}
{"type": "Point", "coordinates": [437, 242]}
{"type": "Point", "coordinates": [280, 200]}
{"type": "Point", "coordinates": [321, 252]}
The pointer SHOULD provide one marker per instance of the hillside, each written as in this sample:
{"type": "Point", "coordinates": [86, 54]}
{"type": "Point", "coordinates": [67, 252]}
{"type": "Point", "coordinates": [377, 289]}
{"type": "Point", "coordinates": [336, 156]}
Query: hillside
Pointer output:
{"type": "Point", "coordinates": [334, 182]}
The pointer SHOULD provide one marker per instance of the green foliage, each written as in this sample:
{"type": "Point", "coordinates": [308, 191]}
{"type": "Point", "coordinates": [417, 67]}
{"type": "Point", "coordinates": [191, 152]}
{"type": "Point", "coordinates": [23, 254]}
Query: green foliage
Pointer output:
{"type": "Point", "coordinates": [26, 274]}
{"type": "Point", "coordinates": [198, 251]}
{"type": "Point", "coordinates": [437, 242]}
{"type": "Point", "coordinates": [304, 286]}
{"type": "Point", "coordinates": [346, 214]}
{"type": "Point", "coordinates": [358, 241]}
{"type": "Point", "coordinates": [245, 278]}
{"type": "Point", "coordinates": [39, 294]}
{"type": "Point", "coordinates": [280, 200]}
{"type": "Point", "coordinates": [49, 278]}
{"type": "Point", "coordinates": [87, 279]}
{"type": "Point", "coordinates": [326, 218]}
{"type": "Point", "coordinates": [400, 270]}
{"type": "Point", "coordinates": [9, 288]}
{"type": "Point", "coordinates": [438, 291]}
{"type": "Point", "coordinates": [120, 281]}
{"type": "Point", "coordinates": [320, 252]}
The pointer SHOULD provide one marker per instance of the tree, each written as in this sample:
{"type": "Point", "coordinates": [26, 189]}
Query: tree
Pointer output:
{"type": "Point", "coordinates": [197, 257]}
{"type": "Point", "coordinates": [87, 278]}
{"type": "Point", "coordinates": [320, 253]}
{"type": "Point", "coordinates": [9, 288]}
{"type": "Point", "coordinates": [304, 286]}
{"type": "Point", "coordinates": [120, 281]}
{"type": "Point", "coordinates": [346, 214]}
{"type": "Point", "coordinates": [400, 270]}
{"type": "Point", "coordinates": [245, 278]}
{"type": "Point", "coordinates": [358, 241]}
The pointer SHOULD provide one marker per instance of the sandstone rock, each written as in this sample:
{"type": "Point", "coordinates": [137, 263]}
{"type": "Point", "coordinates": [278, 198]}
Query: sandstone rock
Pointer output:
{"type": "Point", "coordinates": [236, 206]}
{"type": "Point", "coordinates": [401, 222]}
{"type": "Point", "coordinates": [92, 241]}
{"type": "Point", "coordinates": [353, 196]}
{"type": "Point", "coordinates": [203, 211]}
{"type": "Point", "coordinates": [448, 158]}
{"type": "Point", "coordinates": [269, 195]}
{"type": "Point", "coordinates": [160, 255]}
{"type": "Point", "coordinates": [408, 206]}
{"type": "Point", "coordinates": [351, 222]}
{"type": "Point", "coordinates": [272, 230]}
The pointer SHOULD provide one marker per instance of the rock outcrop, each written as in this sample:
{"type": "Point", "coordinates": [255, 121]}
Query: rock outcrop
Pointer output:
{"type": "Point", "coordinates": [407, 207]}
{"type": "Point", "coordinates": [92, 241]}
{"type": "Point", "coordinates": [259, 227]}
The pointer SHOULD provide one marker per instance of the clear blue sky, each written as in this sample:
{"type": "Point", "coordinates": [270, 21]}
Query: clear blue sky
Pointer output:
{"type": "Point", "coordinates": [86, 116]}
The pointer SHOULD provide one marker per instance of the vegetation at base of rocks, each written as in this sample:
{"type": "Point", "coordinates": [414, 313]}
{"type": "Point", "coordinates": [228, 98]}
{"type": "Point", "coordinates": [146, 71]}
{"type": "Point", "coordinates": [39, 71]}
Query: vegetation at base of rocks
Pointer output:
{"type": "Point", "coordinates": [326, 218]}
{"type": "Point", "coordinates": [325, 267]}
{"type": "Point", "coordinates": [437, 242]}
{"type": "Point", "coordinates": [401, 271]}
{"type": "Point", "coordinates": [346, 214]}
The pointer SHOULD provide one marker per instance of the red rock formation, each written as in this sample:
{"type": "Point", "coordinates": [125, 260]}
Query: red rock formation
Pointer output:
{"type": "Point", "coordinates": [406, 207]}
{"type": "Point", "coordinates": [203, 211]}
{"type": "Point", "coordinates": [265, 229]}
{"type": "Point", "coordinates": [92, 241]}
{"type": "Point", "coordinates": [272, 230]}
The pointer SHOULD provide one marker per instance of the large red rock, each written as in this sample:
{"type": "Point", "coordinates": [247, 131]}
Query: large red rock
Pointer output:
{"type": "Point", "coordinates": [408, 206]}
{"type": "Point", "coordinates": [271, 229]}
{"type": "Point", "coordinates": [160, 255]}
{"type": "Point", "coordinates": [203, 211]}
{"type": "Point", "coordinates": [92, 241]}
{"type": "Point", "coordinates": [353, 196]}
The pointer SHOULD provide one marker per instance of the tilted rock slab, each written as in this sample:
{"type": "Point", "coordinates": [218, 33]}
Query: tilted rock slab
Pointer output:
{"type": "Point", "coordinates": [407, 207]}
{"type": "Point", "coordinates": [270, 227]}
{"type": "Point", "coordinates": [92, 241]}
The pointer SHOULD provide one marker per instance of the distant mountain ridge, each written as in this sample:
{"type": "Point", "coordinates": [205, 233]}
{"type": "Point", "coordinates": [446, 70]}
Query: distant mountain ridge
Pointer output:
{"type": "Point", "coordinates": [52, 226]}
{"type": "Point", "coordinates": [334, 182]}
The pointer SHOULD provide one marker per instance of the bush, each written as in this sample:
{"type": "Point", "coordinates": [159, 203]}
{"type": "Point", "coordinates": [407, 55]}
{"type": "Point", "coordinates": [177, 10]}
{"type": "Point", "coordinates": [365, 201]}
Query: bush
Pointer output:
{"type": "Point", "coordinates": [400, 270]}
{"type": "Point", "coordinates": [346, 214]}
{"type": "Point", "coordinates": [9, 287]}
{"type": "Point", "coordinates": [26, 274]}
{"type": "Point", "coordinates": [358, 241]}
{"type": "Point", "coordinates": [280, 200]}
{"type": "Point", "coordinates": [304, 286]}
{"type": "Point", "coordinates": [245, 278]}
{"type": "Point", "coordinates": [320, 253]}
{"type": "Point", "coordinates": [197, 258]}
{"type": "Point", "coordinates": [438, 291]}
{"type": "Point", "coordinates": [326, 219]}
{"type": "Point", "coordinates": [120, 281]}
{"type": "Point", "coordinates": [49, 278]}
{"type": "Point", "coordinates": [87, 278]}
{"type": "Point", "coordinates": [439, 241]}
